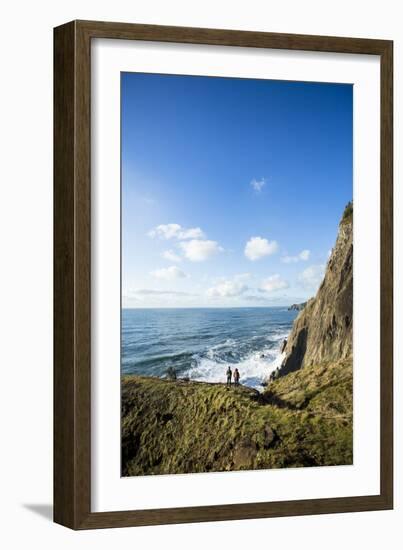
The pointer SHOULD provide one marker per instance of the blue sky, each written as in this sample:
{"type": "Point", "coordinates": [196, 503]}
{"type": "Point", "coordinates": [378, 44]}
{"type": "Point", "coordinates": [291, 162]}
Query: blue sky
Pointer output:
{"type": "Point", "coordinates": [232, 189]}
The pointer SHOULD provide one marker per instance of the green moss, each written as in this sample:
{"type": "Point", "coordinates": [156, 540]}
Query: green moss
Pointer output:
{"type": "Point", "coordinates": [348, 213]}
{"type": "Point", "coordinates": [303, 419]}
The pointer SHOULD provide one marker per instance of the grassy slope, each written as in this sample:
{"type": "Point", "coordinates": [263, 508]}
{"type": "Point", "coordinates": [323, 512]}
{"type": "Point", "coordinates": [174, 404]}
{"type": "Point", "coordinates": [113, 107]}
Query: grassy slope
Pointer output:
{"type": "Point", "coordinates": [303, 419]}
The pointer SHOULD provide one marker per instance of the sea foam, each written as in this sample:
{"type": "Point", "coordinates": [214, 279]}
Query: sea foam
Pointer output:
{"type": "Point", "coordinates": [254, 367]}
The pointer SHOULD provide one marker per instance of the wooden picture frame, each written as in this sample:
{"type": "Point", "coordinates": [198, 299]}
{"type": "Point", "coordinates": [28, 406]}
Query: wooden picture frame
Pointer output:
{"type": "Point", "coordinates": [72, 271]}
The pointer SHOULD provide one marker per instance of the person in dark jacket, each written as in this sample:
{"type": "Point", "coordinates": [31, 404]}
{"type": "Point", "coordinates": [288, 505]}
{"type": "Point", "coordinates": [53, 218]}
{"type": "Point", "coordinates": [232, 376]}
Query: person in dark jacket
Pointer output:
{"type": "Point", "coordinates": [229, 376]}
{"type": "Point", "coordinates": [236, 377]}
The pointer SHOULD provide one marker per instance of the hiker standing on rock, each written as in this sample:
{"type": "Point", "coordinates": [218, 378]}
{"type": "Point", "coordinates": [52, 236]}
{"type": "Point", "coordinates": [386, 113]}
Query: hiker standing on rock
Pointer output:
{"type": "Point", "coordinates": [236, 377]}
{"type": "Point", "coordinates": [229, 376]}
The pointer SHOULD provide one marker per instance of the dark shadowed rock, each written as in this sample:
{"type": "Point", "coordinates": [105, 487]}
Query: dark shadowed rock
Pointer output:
{"type": "Point", "coordinates": [269, 436]}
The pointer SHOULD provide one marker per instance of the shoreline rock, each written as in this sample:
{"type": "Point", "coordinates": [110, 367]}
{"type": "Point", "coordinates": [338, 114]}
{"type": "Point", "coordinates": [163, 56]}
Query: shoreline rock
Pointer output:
{"type": "Point", "coordinates": [297, 307]}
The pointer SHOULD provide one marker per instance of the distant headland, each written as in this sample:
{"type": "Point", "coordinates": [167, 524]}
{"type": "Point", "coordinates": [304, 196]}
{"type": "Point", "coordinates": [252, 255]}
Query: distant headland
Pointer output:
{"type": "Point", "coordinates": [297, 307]}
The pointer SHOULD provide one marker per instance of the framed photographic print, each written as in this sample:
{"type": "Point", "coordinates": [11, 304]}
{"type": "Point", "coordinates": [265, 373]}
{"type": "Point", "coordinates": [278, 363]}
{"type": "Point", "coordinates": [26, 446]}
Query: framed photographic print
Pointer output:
{"type": "Point", "coordinates": [223, 264]}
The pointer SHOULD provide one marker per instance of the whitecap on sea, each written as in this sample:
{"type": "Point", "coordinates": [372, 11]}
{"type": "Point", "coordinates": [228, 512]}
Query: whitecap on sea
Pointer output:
{"type": "Point", "coordinates": [254, 368]}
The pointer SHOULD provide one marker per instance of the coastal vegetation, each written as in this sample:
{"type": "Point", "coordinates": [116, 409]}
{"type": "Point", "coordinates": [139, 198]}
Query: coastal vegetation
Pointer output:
{"type": "Point", "coordinates": [304, 419]}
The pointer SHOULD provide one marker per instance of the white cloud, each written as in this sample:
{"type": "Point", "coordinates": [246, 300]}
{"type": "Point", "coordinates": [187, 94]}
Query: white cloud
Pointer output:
{"type": "Point", "coordinates": [171, 256]}
{"type": "Point", "coordinates": [175, 231]}
{"type": "Point", "coordinates": [260, 298]}
{"type": "Point", "coordinates": [258, 185]}
{"type": "Point", "coordinates": [312, 276]}
{"type": "Point", "coordinates": [169, 273]}
{"type": "Point", "coordinates": [273, 283]}
{"type": "Point", "coordinates": [257, 248]}
{"type": "Point", "coordinates": [151, 292]}
{"type": "Point", "coordinates": [303, 255]}
{"type": "Point", "coordinates": [228, 288]}
{"type": "Point", "coordinates": [192, 233]}
{"type": "Point", "coordinates": [198, 250]}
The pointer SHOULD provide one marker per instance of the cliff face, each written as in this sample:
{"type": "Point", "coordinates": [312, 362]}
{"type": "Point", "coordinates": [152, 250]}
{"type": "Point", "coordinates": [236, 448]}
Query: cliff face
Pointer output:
{"type": "Point", "coordinates": [323, 331]}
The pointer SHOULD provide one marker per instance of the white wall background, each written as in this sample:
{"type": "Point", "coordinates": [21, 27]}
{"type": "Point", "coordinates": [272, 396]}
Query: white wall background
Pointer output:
{"type": "Point", "coordinates": [26, 271]}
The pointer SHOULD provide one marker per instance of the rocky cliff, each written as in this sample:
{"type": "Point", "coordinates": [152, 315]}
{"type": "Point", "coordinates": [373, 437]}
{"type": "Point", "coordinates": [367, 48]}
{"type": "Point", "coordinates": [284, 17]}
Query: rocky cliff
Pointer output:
{"type": "Point", "coordinates": [323, 331]}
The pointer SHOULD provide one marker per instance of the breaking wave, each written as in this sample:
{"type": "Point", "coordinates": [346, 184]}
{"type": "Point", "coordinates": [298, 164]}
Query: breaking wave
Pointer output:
{"type": "Point", "coordinates": [254, 365]}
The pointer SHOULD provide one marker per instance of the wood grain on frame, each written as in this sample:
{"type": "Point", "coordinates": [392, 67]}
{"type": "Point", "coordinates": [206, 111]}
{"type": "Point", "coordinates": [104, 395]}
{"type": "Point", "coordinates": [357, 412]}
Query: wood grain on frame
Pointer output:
{"type": "Point", "coordinates": [72, 270]}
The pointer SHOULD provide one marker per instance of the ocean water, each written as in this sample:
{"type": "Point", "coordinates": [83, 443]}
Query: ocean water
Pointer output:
{"type": "Point", "coordinates": [201, 343]}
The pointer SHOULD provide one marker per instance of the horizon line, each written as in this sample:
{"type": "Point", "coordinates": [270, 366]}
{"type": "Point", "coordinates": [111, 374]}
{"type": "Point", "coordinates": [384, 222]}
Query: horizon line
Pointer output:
{"type": "Point", "coordinates": [212, 307]}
